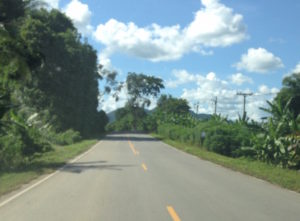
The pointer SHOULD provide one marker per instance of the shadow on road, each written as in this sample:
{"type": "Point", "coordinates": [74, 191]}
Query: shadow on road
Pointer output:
{"type": "Point", "coordinates": [77, 167]}
{"type": "Point", "coordinates": [128, 136]}
{"type": "Point", "coordinates": [84, 166]}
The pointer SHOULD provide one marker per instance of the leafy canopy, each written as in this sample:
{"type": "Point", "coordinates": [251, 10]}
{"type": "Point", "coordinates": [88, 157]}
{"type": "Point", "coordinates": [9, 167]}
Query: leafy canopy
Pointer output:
{"type": "Point", "coordinates": [290, 93]}
{"type": "Point", "coordinates": [169, 104]}
{"type": "Point", "coordinates": [140, 87]}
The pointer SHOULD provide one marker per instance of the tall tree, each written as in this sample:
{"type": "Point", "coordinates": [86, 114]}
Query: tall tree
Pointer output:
{"type": "Point", "coordinates": [290, 93]}
{"type": "Point", "coordinates": [140, 87]}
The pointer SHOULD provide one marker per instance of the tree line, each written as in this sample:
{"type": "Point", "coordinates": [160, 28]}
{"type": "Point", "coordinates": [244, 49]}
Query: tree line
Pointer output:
{"type": "Point", "coordinates": [275, 141]}
{"type": "Point", "coordinates": [48, 82]}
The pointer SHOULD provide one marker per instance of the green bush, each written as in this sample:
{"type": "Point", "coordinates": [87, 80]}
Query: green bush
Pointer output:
{"type": "Point", "coordinates": [66, 138]}
{"type": "Point", "coordinates": [221, 137]}
{"type": "Point", "coordinates": [10, 151]}
{"type": "Point", "coordinates": [221, 141]}
{"type": "Point", "coordinates": [127, 124]}
{"type": "Point", "coordinates": [20, 144]}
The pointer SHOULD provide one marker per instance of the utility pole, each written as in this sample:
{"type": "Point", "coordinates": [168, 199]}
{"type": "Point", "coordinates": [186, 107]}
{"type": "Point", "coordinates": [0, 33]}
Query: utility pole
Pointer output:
{"type": "Point", "coordinates": [196, 105]}
{"type": "Point", "coordinates": [215, 103]}
{"type": "Point", "coordinates": [244, 95]}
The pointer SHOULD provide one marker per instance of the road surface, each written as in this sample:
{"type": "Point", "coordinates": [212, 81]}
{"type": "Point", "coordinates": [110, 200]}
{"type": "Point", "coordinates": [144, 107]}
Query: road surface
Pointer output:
{"type": "Point", "coordinates": [132, 177]}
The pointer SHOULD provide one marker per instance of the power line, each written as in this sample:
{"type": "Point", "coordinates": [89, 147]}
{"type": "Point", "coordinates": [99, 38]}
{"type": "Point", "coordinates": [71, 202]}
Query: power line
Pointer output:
{"type": "Point", "coordinates": [265, 94]}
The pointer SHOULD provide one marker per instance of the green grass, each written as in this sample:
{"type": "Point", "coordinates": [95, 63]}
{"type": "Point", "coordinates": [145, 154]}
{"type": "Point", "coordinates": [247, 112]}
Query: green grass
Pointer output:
{"type": "Point", "coordinates": [285, 178]}
{"type": "Point", "coordinates": [44, 164]}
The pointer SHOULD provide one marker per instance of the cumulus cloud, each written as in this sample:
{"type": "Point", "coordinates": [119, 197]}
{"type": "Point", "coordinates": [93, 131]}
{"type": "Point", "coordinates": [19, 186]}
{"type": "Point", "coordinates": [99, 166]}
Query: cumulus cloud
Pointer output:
{"type": "Point", "coordinates": [239, 79]}
{"type": "Point", "coordinates": [181, 77]}
{"type": "Point", "coordinates": [214, 25]}
{"type": "Point", "coordinates": [259, 60]}
{"type": "Point", "coordinates": [264, 89]}
{"type": "Point", "coordinates": [80, 15]}
{"type": "Point", "coordinates": [153, 43]}
{"type": "Point", "coordinates": [208, 86]}
{"type": "Point", "coordinates": [296, 69]}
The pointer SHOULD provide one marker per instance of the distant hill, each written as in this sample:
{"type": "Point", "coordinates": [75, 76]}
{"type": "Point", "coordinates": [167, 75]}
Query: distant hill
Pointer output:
{"type": "Point", "coordinates": [112, 115]}
{"type": "Point", "coordinates": [201, 116]}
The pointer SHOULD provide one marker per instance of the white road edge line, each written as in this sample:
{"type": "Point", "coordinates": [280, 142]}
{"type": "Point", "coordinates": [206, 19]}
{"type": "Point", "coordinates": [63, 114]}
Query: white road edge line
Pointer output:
{"type": "Point", "coordinates": [47, 177]}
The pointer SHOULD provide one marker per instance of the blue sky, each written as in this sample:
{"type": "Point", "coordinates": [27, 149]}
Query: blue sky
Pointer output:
{"type": "Point", "coordinates": [201, 49]}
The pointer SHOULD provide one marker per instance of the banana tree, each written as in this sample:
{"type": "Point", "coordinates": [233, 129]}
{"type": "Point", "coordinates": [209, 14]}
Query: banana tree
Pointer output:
{"type": "Point", "coordinates": [280, 143]}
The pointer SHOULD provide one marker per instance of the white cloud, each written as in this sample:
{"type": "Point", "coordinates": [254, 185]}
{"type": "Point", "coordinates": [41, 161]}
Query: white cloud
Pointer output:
{"type": "Point", "coordinates": [211, 76]}
{"type": "Point", "coordinates": [239, 79]}
{"type": "Point", "coordinates": [259, 60]}
{"type": "Point", "coordinates": [105, 61]}
{"type": "Point", "coordinates": [80, 15]}
{"type": "Point", "coordinates": [209, 86]}
{"type": "Point", "coordinates": [182, 77]}
{"type": "Point", "coordinates": [214, 25]}
{"type": "Point", "coordinates": [259, 99]}
{"type": "Point", "coordinates": [108, 103]}
{"type": "Point", "coordinates": [296, 69]}
{"type": "Point", "coordinates": [152, 43]}
{"type": "Point", "coordinates": [264, 89]}
{"type": "Point", "coordinates": [52, 3]}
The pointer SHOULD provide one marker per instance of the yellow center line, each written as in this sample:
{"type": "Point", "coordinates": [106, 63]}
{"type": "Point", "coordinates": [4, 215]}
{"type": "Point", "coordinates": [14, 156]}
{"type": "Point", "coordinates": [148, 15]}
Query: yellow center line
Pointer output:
{"type": "Point", "coordinates": [132, 148]}
{"type": "Point", "coordinates": [144, 167]}
{"type": "Point", "coordinates": [173, 214]}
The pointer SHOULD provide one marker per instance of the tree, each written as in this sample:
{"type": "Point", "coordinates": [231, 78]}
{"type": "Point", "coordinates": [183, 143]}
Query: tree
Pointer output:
{"type": "Point", "coordinates": [66, 85]}
{"type": "Point", "coordinates": [11, 10]}
{"type": "Point", "coordinates": [279, 143]}
{"type": "Point", "coordinates": [48, 81]}
{"type": "Point", "coordinates": [290, 92]}
{"type": "Point", "coordinates": [140, 87]}
{"type": "Point", "coordinates": [169, 104]}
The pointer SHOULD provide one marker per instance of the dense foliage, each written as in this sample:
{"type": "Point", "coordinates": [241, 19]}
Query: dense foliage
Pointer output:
{"type": "Point", "coordinates": [276, 141]}
{"type": "Point", "coordinates": [48, 82]}
{"type": "Point", "coordinates": [217, 134]}
{"type": "Point", "coordinates": [170, 105]}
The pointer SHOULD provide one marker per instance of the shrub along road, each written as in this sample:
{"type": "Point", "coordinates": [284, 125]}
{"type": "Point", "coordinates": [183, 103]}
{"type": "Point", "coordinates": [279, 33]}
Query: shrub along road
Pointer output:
{"type": "Point", "coordinates": [135, 177]}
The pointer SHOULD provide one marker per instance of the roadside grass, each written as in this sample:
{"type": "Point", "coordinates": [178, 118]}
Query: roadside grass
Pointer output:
{"type": "Point", "coordinates": [43, 164]}
{"type": "Point", "coordinates": [289, 179]}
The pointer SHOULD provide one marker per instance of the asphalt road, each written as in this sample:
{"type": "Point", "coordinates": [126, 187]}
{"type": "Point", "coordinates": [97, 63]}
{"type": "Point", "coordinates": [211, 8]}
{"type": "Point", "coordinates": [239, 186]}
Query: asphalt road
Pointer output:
{"type": "Point", "coordinates": [133, 177]}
